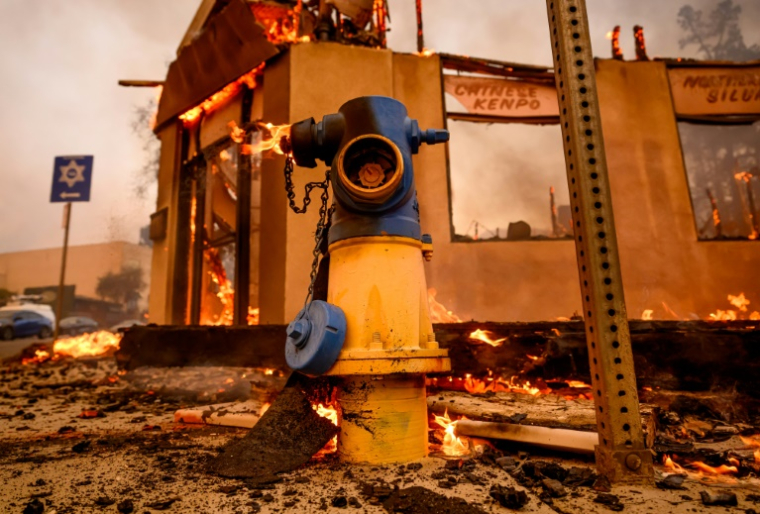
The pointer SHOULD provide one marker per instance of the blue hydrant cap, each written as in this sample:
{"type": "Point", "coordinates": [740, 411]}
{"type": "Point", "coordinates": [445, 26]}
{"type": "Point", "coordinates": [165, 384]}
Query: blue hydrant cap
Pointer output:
{"type": "Point", "coordinates": [315, 338]}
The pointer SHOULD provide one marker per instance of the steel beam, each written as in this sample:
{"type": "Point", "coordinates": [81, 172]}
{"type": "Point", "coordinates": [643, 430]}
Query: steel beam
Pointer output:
{"type": "Point", "coordinates": [621, 455]}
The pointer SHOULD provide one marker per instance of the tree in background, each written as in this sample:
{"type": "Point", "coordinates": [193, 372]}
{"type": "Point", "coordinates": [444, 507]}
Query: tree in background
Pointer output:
{"type": "Point", "coordinates": [717, 34]}
{"type": "Point", "coordinates": [123, 287]}
{"type": "Point", "coordinates": [5, 296]}
{"type": "Point", "coordinates": [714, 154]}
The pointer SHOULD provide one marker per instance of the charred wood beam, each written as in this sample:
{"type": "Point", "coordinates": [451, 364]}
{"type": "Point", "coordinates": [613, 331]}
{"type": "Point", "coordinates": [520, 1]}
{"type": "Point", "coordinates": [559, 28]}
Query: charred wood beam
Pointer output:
{"type": "Point", "coordinates": [243, 234]}
{"type": "Point", "coordinates": [500, 68]}
{"type": "Point", "coordinates": [676, 355]}
{"type": "Point", "coordinates": [486, 118]}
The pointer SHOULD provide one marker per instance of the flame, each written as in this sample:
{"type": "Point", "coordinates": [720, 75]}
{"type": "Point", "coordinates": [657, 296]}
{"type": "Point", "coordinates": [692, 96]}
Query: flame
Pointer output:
{"type": "Point", "coordinates": [486, 337]}
{"type": "Point", "coordinates": [672, 466]}
{"type": "Point", "coordinates": [426, 52]}
{"type": "Point", "coordinates": [743, 176]}
{"type": "Point", "coordinates": [281, 25]}
{"type": "Point", "coordinates": [236, 133]}
{"type": "Point", "coordinates": [647, 314]}
{"type": "Point", "coordinates": [740, 302]}
{"type": "Point", "coordinates": [226, 292]}
{"type": "Point", "coordinates": [608, 35]}
{"type": "Point", "coordinates": [331, 413]}
{"type": "Point", "coordinates": [452, 445]}
{"type": "Point", "coordinates": [271, 139]}
{"type": "Point", "coordinates": [193, 210]}
{"type": "Point", "coordinates": [264, 408]}
{"type": "Point", "coordinates": [438, 312]}
{"type": "Point", "coordinates": [40, 356]}
{"type": "Point", "coordinates": [479, 386]}
{"type": "Point", "coordinates": [720, 470]}
{"type": "Point", "coordinates": [217, 99]}
{"type": "Point", "coordinates": [87, 345]}
{"type": "Point", "coordinates": [704, 471]}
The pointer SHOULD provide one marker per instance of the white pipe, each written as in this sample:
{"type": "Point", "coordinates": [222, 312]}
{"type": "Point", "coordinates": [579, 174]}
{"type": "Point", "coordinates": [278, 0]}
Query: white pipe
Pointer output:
{"type": "Point", "coordinates": [552, 438]}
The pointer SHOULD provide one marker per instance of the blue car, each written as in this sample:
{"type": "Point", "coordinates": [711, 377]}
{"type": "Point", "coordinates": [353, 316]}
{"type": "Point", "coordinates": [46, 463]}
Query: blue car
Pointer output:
{"type": "Point", "coordinates": [15, 324]}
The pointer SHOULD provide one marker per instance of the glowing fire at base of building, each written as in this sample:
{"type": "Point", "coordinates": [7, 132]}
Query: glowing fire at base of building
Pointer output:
{"type": "Point", "coordinates": [453, 445]}
{"type": "Point", "coordinates": [88, 345]}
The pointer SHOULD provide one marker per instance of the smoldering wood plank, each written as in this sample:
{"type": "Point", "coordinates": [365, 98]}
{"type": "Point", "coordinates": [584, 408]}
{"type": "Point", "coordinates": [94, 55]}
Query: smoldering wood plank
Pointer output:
{"type": "Point", "coordinates": [548, 411]}
{"type": "Point", "coordinates": [678, 355]}
{"type": "Point", "coordinates": [169, 346]}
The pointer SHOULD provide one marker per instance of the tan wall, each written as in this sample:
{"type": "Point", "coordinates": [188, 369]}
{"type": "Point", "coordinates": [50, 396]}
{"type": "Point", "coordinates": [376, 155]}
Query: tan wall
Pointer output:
{"type": "Point", "coordinates": [501, 281]}
{"type": "Point", "coordinates": [85, 264]}
{"type": "Point", "coordinates": [162, 263]}
{"type": "Point", "coordinates": [661, 257]}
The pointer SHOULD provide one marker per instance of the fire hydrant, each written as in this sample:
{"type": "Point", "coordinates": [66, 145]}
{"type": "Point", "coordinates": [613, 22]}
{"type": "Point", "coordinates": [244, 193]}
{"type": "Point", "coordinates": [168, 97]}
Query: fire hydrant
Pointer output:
{"type": "Point", "coordinates": [374, 331]}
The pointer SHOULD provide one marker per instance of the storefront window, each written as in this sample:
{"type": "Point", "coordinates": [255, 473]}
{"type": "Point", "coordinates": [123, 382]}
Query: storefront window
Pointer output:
{"type": "Point", "coordinates": [508, 182]}
{"type": "Point", "coordinates": [723, 169]}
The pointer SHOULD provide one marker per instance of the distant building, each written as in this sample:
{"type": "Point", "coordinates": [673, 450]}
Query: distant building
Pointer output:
{"type": "Point", "coordinates": [37, 272]}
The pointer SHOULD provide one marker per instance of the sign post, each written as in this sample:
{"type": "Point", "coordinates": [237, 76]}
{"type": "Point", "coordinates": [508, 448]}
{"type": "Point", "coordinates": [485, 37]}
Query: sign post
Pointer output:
{"type": "Point", "coordinates": [72, 178]}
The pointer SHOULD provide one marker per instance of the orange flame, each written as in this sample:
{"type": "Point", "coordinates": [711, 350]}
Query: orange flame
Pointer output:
{"type": "Point", "coordinates": [740, 302]}
{"type": "Point", "coordinates": [271, 138]}
{"type": "Point", "coordinates": [40, 356]}
{"type": "Point", "coordinates": [438, 312]}
{"type": "Point", "coordinates": [88, 345]}
{"type": "Point", "coordinates": [264, 408]}
{"type": "Point", "coordinates": [452, 445]}
{"type": "Point", "coordinates": [217, 99]}
{"type": "Point", "coordinates": [426, 52]}
{"type": "Point", "coordinates": [720, 470]}
{"type": "Point", "coordinates": [647, 314]}
{"type": "Point", "coordinates": [486, 337]}
{"type": "Point", "coordinates": [331, 413]}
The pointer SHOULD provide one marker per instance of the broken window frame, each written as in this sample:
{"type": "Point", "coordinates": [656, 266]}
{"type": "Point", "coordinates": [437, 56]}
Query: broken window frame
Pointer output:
{"type": "Point", "coordinates": [486, 68]}
{"type": "Point", "coordinates": [198, 169]}
{"type": "Point", "coordinates": [727, 120]}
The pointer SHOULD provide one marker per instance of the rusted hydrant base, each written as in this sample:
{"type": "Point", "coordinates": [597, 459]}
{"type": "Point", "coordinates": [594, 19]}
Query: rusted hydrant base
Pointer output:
{"type": "Point", "coordinates": [383, 419]}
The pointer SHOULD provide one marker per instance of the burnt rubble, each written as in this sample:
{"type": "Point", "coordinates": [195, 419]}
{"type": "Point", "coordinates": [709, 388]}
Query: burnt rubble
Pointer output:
{"type": "Point", "coordinates": [126, 454]}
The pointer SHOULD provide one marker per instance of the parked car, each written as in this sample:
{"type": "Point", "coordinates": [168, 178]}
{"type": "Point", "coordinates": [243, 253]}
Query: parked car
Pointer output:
{"type": "Point", "coordinates": [23, 305]}
{"type": "Point", "coordinates": [22, 323]}
{"type": "Point", "coordinates": [76, 325]}
{"type": "Point", "coordinates": [126, 324]}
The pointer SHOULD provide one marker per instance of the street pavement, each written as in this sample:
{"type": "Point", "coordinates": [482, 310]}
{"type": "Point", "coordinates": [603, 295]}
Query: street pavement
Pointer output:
{"type": "Point", "coordinates": [14, 347]}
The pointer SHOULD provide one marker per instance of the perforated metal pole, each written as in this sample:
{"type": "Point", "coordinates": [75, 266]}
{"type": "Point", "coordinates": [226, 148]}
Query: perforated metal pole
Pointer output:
{"type": "Point", "coordinates": [621, 454]}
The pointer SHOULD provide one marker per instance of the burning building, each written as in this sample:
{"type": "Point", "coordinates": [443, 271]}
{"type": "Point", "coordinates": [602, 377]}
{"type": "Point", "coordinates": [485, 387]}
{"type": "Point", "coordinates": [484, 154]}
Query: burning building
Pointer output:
{"type": "Point", "coordinates": [237, 110]}
{"type": "Point", "coordinates": [682, 163]}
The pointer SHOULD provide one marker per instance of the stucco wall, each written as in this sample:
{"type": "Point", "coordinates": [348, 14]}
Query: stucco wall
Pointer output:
{"type": "Point", "coordinates": [84, 265]}
{"type": "Point", "coordinates": [662, 259]}
{"type": "Point", "coordinates": [503, 280]}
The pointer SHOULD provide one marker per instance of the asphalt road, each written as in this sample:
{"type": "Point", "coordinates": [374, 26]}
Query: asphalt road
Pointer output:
{"type": "Point", "coordinates": [14, 347]}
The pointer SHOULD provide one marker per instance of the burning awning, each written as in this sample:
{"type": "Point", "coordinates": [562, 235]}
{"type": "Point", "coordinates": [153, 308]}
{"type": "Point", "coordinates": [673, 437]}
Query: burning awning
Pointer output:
{"type": "Point", "coordinates": [231, 45]}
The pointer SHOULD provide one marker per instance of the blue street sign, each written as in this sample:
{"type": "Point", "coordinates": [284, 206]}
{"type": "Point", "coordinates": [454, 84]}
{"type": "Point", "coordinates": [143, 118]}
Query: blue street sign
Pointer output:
{"type": "Point", "coordinates": [72, 178]}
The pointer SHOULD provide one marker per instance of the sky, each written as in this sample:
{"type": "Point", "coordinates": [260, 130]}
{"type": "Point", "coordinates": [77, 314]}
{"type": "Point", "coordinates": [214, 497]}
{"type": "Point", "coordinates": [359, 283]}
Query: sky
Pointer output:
{"type": "Point", "coordinates": [61, 61]}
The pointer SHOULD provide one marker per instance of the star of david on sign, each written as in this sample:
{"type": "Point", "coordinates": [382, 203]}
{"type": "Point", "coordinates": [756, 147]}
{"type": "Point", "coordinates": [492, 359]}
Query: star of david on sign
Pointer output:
{"type": "Point", "coordinates": [72, 173]}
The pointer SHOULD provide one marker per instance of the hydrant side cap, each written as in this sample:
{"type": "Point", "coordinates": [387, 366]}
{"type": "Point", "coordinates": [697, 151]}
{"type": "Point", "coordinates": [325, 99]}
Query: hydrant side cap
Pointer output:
{"type": "Point", "coordinates": [325, 340]}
